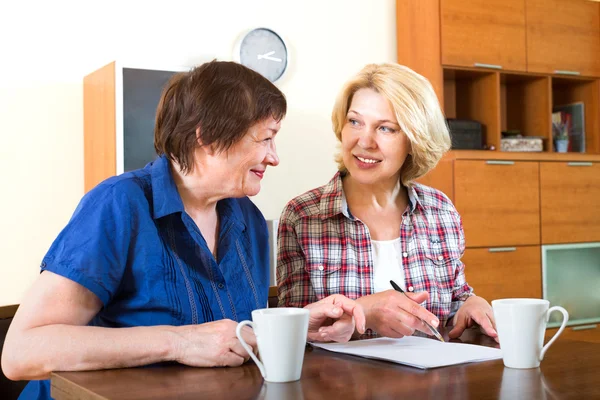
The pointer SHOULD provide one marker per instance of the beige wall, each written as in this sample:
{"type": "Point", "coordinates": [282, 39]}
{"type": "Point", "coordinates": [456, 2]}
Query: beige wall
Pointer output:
{"type": "Point", "coordinates": [47, 48]}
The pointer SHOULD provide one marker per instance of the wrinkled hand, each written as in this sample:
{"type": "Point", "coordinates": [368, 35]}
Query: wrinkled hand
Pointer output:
{"type": "Point", "coordinates": [213, 344]}
{"type": "Point", "coordinates": [335, 318]}
{"type": "Point", "coordinates": [392, 314]}
{"type": "Point", "coordinates": [475, 310]}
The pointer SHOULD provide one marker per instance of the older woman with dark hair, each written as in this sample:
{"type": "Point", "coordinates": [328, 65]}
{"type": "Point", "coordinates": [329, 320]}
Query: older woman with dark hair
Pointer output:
{"type": "Point", "coordinates": [157, 264]}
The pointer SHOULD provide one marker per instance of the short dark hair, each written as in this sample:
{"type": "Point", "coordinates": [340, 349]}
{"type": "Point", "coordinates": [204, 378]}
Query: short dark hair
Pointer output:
{"type": "Point", "coordinates": [224, 99]}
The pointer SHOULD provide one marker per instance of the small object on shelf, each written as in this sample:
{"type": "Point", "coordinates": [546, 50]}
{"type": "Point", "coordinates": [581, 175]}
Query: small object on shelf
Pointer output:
{"type": "Point", "coordinates": [568, 124]}
{"type": "Point", "coordinates": [522, 143]}
{"type": "Point", "coordinates": [465, 134]}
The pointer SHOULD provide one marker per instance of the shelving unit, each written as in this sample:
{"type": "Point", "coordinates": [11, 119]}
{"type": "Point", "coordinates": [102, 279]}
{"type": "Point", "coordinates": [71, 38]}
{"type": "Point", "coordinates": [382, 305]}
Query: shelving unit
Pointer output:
{"type": "Point", "coordinates": [502, 100]}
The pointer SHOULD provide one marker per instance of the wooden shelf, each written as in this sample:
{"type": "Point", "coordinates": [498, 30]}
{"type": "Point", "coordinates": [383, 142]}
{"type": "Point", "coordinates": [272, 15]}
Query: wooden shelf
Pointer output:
{"type": "Point", "coordinates": [526, 105]}
{"type": "Point", "coordinates": [567, 90]}
{"type": "Point", "coordinates": [474, 94]}
{"type": "Point", "coordinates": [519, 156]}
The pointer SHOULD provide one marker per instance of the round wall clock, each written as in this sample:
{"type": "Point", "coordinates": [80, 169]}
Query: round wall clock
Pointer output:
{"type": "Point", "coordinates": [264, 51]}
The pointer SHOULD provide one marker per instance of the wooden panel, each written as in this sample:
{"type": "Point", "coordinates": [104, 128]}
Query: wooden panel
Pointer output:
{"type": "Point", "coordinates": [563, 35]}
{"type": "Point", "coordinates": [484, 31]}
{"type": "Point", "coordinates": [499, 204]}
{"type": "Point", "coordinates": [570, 203]}
{"type": "Point", "coordinates": [504, 274]}
{"type": "Point", "coordinates": [8, 311]}
{"type": "Point", "coordinates": [575, 333]}
{"type": "Point", "coordinates": [441, 178]}
{"type": "Point", "coordinates": [500, 155]}
{"type": "Point", "coordinates": [527, 106]}
{"type": "Point", "coordinates": [572, 90]}
{"type": "Point", "coordinates": [418, 39]}
{"type": "Point", "coordinates": [99, 126]}
{"type": "Point", "coordinates": [476, 97]}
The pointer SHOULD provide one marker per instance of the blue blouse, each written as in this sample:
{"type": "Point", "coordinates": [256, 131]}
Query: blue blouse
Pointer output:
{"type": "Point", "coordinates": [131, 243]}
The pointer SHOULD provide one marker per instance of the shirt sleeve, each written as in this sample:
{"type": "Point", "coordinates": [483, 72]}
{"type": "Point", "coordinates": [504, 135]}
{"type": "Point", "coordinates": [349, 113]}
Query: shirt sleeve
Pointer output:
{"type": "Point", "coordinates": [294, 286]}
{"type": "Point", "coordinates": [92, 249]}
{"type": "Point", "coordinates": [461, 290]}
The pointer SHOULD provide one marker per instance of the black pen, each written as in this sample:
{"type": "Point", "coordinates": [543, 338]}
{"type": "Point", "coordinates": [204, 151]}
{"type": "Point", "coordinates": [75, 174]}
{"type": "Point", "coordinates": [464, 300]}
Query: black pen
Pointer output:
{"type": "Point", "coordinates": [431, 328]}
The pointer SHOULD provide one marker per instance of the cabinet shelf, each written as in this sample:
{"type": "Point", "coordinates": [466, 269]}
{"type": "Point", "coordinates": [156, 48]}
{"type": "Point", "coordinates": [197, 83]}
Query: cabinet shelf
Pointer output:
{"type": "Point", "coordinates": [508, 100]}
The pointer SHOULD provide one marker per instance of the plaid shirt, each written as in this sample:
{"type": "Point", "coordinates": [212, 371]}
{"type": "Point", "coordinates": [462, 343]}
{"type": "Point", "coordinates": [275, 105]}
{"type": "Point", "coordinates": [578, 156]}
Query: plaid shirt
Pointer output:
{"type": "Point", "coordinates": [324, 250]}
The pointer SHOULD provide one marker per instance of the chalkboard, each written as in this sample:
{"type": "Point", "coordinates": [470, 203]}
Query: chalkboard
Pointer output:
{"type": "Point", "coordinates": [141, 92]}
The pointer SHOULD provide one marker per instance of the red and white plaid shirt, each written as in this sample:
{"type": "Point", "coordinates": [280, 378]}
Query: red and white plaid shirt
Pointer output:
{"type": "Point", "coordinates": [324, 250]}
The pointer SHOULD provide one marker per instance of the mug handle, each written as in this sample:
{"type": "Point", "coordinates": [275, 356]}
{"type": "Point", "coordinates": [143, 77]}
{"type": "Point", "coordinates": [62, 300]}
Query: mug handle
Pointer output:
{"type": "Point", "coordinates": [562, 327]}
{"type": "Point", "coordinates": [238, 333]}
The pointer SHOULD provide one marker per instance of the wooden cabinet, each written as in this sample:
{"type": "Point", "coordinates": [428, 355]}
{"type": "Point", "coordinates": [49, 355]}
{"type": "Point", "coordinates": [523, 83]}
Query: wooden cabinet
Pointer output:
{"type": "Point", "coordinates": [418, 39]}
{"type": "Point", "coordinates": [563, 36]}
{"type": "Point", "coordinates": [441, 178]}
{"type": "Point", "coordinates": [570, 202]}
{"type": "Point", "coordinates": [590, 333]}
{"type": "Point", "coordinates": [119, 107]}
{"type": "Point", "coordinates": [478, 32]}
{"type": "Point", "coordinates": [498, 201]}
{"type": "Point", "coordinates": [503, 272]}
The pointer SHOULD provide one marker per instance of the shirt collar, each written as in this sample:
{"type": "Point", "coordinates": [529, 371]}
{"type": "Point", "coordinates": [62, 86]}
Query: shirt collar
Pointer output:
{"type": "Point", "coordinates": [333, 199]}
{"type": "Point", "coordinates": [165, 196]}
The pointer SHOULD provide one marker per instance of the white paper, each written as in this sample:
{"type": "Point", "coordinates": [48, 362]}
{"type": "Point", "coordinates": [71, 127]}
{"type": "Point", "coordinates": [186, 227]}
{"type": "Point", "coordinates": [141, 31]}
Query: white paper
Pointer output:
{"type": "Point", "coordinates": [415, 351]}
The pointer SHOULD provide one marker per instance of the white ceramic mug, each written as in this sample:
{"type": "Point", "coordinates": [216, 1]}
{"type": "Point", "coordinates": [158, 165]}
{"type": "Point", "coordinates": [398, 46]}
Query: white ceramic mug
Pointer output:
{"type": "Point", "coordinates": [521, 325]}
{"type": "Point", "coordinates": [281, 338]}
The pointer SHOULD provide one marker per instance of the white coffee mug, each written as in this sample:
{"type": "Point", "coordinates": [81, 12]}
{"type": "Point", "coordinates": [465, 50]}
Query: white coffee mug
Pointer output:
{"type": "Point", "coordinates": [521, 325]}
{"type": "Point", "coordinates": [281, 338]}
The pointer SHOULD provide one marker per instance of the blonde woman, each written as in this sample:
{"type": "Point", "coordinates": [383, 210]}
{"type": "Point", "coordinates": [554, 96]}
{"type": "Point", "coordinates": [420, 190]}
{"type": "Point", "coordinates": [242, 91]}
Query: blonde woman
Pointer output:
{"type": "Point", "coordinates": [372, 223]}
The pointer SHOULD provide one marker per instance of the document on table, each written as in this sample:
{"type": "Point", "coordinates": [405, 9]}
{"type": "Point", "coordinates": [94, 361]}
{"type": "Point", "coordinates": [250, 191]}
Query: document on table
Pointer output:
{"type": "Point", "coordinates": [415, 351]}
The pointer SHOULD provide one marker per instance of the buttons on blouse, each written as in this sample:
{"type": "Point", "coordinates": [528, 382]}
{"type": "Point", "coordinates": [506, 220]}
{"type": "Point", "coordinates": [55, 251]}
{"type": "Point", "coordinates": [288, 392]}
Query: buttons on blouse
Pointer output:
{"type": "Point", "coordinates": [406, 221]}
{"type": "Point", "coordinates": [405, 254]}
{"type": "Point", "coordinates": [440, 258]}
{"type": "Point", "coordinates": [320, 268]}
{"type": "Point", "coordinates": [410, 288]}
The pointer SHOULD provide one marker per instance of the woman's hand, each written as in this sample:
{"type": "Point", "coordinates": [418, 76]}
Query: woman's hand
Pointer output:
{"type": "Point", "coordinates": [335, 318]}
{"type": "Point", "coordinates": [213, 344]}
{"type": "Point", "coordinates": [475, 310]}
{"type": "Point", "coordinates": [395, 315]}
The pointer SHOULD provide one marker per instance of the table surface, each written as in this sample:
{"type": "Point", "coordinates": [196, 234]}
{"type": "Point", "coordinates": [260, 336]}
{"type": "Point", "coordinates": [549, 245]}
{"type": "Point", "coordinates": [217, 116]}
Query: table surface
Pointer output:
{"type": "Point", "coordinates": [570, 370]}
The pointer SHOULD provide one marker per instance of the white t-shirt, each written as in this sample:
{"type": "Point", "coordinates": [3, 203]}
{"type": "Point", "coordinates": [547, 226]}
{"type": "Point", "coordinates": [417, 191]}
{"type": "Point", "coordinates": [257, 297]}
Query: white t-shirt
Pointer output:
{"type": "Point", "coordinates": [387, 263]}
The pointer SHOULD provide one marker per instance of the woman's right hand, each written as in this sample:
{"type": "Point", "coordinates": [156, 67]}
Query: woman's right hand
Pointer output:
{"type": "Point", "coordinates": [212, 344]}
{"type": "Point", "coordinates": [392, 314]}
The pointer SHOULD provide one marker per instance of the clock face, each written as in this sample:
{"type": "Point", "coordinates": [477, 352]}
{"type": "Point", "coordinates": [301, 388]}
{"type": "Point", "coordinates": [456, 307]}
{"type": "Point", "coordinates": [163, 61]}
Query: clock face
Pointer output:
{"type": "Point", "coordinates": [265, 52]}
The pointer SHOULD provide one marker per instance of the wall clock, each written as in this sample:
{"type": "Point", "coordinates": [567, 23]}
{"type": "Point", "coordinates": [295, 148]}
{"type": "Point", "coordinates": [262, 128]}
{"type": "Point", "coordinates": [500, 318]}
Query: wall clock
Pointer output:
{"type": "Point", "coordinates": [264, 51]}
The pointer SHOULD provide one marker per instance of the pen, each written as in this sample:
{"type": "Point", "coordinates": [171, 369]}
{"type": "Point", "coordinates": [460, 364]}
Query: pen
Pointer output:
{"type": "Point", "coordinates": [431, 328]}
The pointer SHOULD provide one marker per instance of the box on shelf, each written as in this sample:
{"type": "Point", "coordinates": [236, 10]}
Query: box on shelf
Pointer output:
{"type": "Point", "coordinates": [527, 143]}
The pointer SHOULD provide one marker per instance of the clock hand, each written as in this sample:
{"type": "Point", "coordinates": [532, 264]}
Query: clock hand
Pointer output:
{"type": "Point", "coordinates": [267, 56]}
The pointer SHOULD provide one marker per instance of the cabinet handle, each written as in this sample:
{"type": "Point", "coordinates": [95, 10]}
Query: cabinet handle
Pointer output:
{"type": "Point", "coordinates": [501, 249]}
{"type": "Point", "coordinates": [498, 162]}
{"type": "Point", "coordinates": [566, 72]}
{"type": "Point", "coordinates": [492, 66]}
{"type": "Point", "coordinates": [583, 327]}
{"type": "Point", "coordinates": [579, 164]}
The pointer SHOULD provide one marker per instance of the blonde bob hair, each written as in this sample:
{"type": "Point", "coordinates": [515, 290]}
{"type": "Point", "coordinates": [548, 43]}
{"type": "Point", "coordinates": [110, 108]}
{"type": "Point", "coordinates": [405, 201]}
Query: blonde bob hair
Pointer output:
{"type": "Point", "coordinates": [416, 108]}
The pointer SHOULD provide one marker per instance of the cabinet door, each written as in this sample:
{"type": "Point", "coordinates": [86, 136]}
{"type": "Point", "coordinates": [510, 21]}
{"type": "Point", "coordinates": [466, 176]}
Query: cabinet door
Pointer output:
{"type": "Point", "coordinates": [499, 202]}
{"type": "Point", "coordinates": [484, 32]}
{"type": "Point", "coordinates": [504, 272]}
{"type": "Point", "coordinates": [563, 36]}
{"type": "Point", "coordinates": [589, 333]}
{"type": "Point", "coordinates": [441, 178]}
{"type": "Point", "coordinates": [570, 202]}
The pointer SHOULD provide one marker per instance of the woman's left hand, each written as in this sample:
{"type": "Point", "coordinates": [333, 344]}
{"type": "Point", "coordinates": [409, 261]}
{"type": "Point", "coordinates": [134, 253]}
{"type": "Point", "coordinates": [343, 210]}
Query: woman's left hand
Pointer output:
{"type": "Point", "coordinates": [474, 310]}
{"type": "Point", "coordinates": [334, 319]}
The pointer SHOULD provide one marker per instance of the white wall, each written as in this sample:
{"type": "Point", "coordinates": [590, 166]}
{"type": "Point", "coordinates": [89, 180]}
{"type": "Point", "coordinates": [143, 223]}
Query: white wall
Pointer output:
{"type": "Point", "coordinates": [47, 48]}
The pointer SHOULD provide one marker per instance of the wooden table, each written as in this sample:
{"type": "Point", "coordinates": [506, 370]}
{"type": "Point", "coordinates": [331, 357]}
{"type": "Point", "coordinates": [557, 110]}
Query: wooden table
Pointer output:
{"type": "Point", "coordinates": [570, 370]}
